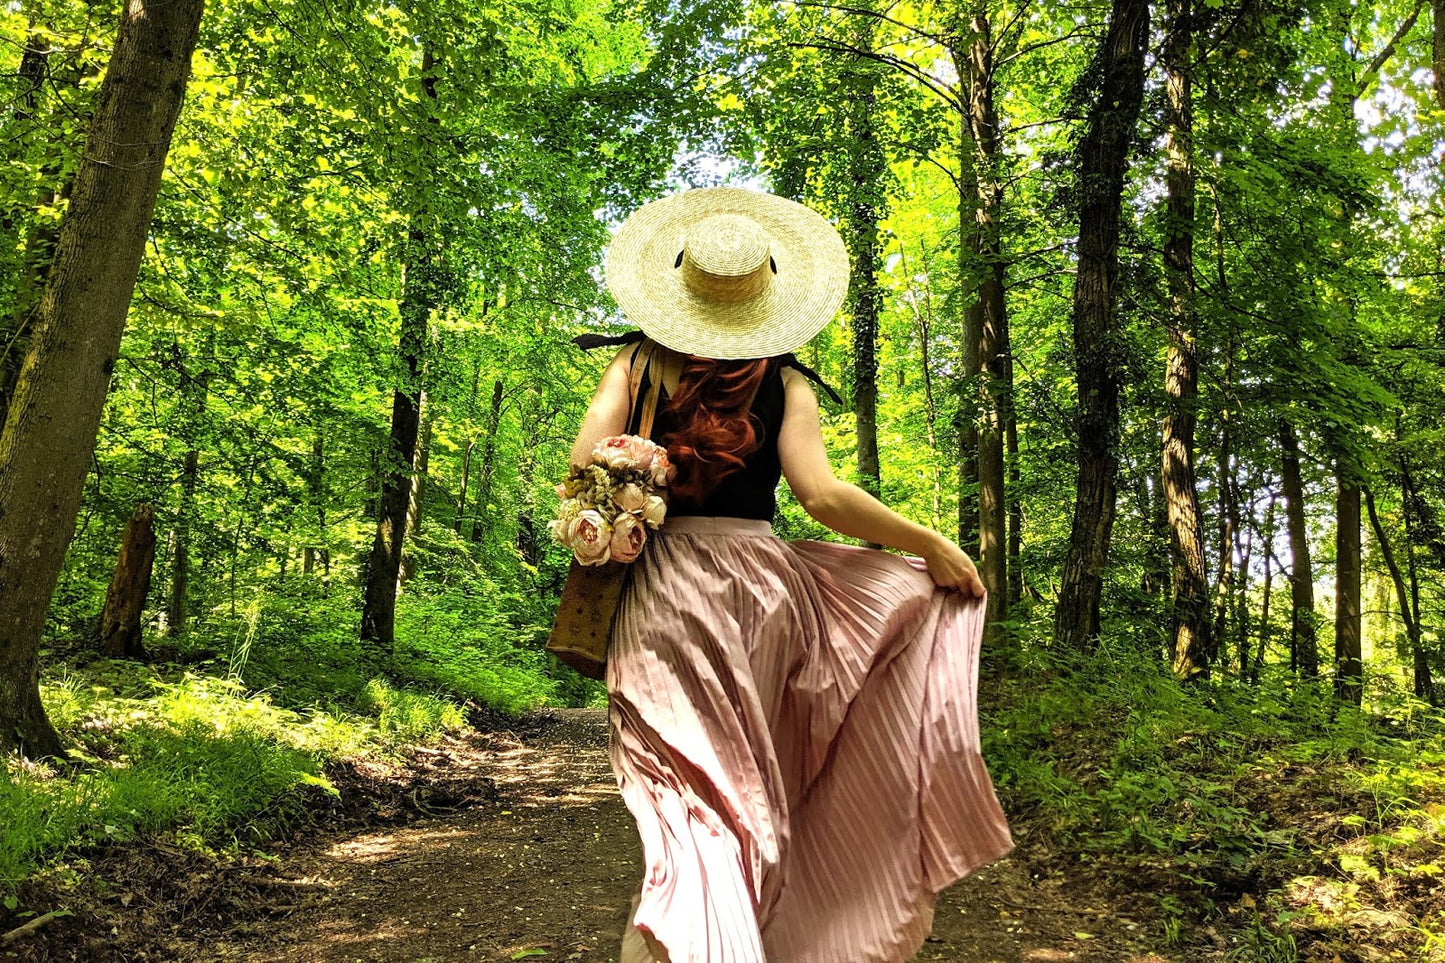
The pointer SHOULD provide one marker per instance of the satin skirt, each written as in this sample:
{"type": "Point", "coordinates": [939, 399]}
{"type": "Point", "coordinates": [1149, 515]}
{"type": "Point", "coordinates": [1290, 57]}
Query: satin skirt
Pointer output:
{"type": "Point", "coordinates": [794, 727]}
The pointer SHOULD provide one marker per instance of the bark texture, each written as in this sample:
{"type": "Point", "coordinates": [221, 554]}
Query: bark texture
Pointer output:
{"type": "Point", "coordinates": [416, 503]}
{"type": "Point", "coordinates": [1304, 655]}
{"type": "Point", "coordinates": [1438, 53]}
{"type": "Point", "coordinates": [50, 428]}
{"type": "Point", "coordinates": [866, 166]}
{"type": "Point", "coordinates": [1102, 161]}
{"type": "Point", "coordinates": [125, 600]}
{"type": "Point", "coordinates": [178, 604]}
{"type": "Point", "coordinates": [1190, 626]}
{"type": "Point", "coordinates": [965, 417]}
{"type": "Point", "coordinates": [993, 347]}
{"type": "Point", "coordinates": [1349, 671]}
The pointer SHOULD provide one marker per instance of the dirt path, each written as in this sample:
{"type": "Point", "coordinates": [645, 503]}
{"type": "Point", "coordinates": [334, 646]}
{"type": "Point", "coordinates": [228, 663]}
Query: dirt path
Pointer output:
{"type": "Point", "coordinates": [545, 869]}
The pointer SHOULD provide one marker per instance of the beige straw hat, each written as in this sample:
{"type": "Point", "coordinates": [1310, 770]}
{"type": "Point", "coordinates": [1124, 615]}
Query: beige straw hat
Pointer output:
{"type": "Point", "coordinates": [723, 272]}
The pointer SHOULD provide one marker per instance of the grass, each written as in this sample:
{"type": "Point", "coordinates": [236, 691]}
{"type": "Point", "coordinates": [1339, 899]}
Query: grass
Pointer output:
{"type": "Point", "coordinates": [1292, 818]}
{"type": "Point", "coordinates": [198, 757]}
{"type": "Point", "coordinates": [224, 752]}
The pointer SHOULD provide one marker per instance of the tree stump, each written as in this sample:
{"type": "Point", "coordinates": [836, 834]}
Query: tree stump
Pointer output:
{"type": "Point", "coordinates": [126, 598]}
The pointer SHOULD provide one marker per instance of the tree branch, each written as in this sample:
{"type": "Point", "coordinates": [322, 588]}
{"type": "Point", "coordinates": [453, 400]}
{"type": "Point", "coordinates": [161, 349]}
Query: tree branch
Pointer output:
{"type": "Point", "coordinates": [1389, 50]}
{"type": "Point", "coordinates": [923, 77]}
{"type": "Point", "coordinates": [864, 12]}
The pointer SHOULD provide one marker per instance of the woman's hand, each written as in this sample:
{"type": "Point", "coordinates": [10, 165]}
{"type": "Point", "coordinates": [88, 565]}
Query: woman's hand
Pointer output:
{"type": "Point", "coordinates": [950, 567]}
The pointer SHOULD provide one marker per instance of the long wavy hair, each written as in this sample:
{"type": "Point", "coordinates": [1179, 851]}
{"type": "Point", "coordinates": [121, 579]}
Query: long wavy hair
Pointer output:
{"type": "Point", "coordinates": [714, 435]}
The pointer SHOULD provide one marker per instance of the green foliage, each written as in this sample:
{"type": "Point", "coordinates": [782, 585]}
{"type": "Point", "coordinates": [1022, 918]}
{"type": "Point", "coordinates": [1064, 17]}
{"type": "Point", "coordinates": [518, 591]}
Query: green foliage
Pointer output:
{"type": "Point", "coordinates": [198, 757]}
{"type": "Point", "coordinates": [1156, 769]}
{"type": "Point", "coordinates": [1271, 800]}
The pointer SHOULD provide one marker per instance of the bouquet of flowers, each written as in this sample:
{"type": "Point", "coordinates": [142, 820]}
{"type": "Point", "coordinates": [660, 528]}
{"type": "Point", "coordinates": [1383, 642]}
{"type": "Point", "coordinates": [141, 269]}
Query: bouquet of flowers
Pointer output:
{"type": "Point", "coordinates": [608, 506]}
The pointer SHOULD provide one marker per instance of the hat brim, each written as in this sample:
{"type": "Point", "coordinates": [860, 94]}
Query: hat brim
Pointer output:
{"type": "Point", "coordinates": [798, 301]}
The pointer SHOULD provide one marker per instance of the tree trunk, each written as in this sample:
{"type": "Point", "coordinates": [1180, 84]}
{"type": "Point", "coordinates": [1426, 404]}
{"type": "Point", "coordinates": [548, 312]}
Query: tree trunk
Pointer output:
{"type": "Point", "coordinates": [1415, 522]}
{"type": "Point", "coordinates": [966, 415]}
{"type": "Point", "coordinates": [462, 489]}
{"type": "Point", "coordinates": [1014, 488]}
{"type": "Point", "coordinates": [315, 493]}
{"type": "Point", "coordinates": [1424, 686]}
{"type": "Point", "coordinates": [1189, 618]}
{"type": "Point", "coordinates": [467, 454]}
{"type": "Point", "coordinates": [178, 605]}
{"type": "Point", "coordinates": [923, 317]}
{"type": "Point", "coordinates": [1243, 548]}
{"type": "Point", "coordinates": [417, 502]}
{"type": "Point", "coordinates": [419, 297]}
{"type": "Point", "coordinates": [1154, 522]}
{"type": "Point", "coordinates": [1267, 536]}
{"type": "Point", "coordinates": [50, 428]}
{"type": "Point", "coordinates": [1228, 529]}
{"type": "Point", "coordinates": [1438, 58]}
{"type": "Point", "coordinates": [35, 246]}
{"type": "Point", "coordinates": [1349, 672]}
{"type": "Point", "coordinates": [489, 457]}
{"type": "Point", "coordinates": [1304, 656]}
{"type": "Point", "coordinates": [125, 600]}
{"type": "Point", "coordinates": [993, 326]}
{"type": "Point", "coordinates": [1102, 161]}
{"type": "Point", "coordinates": [866, 167]}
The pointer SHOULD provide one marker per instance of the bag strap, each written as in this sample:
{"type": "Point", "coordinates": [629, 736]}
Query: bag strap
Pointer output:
{"type": "Point", "coordinates": [641, 361]}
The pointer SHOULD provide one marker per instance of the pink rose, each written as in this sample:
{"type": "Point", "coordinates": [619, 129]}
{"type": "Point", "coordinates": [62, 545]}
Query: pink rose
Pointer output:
{"type": "Point", "coordinates": [654, 511]}
{"type": "Point", "coordinates": [661, 468]}
{"type": "Point", "coordinates": [616, 453]}
{"type": "Point", "coordinates": [628, 537]}
{"type": "Point", "coordinates": [590, 538]}
{"type": "Point", "coordinates": [630, 498]}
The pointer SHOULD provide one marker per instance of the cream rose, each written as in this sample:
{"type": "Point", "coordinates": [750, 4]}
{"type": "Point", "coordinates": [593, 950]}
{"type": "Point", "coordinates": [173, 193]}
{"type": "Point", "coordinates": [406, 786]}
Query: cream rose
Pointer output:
{"type": "Point", "coordinates": [629, 498]}
{"type": "Point", "coordinates": [654, 511]}
{"type": "Point", "coordinates": [591, 538]}
{"type": "Point", "coordinates": [628, 537]}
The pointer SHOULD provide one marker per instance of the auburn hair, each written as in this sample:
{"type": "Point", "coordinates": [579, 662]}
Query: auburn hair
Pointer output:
{"type": "Point", "coordinates": [713, 433]}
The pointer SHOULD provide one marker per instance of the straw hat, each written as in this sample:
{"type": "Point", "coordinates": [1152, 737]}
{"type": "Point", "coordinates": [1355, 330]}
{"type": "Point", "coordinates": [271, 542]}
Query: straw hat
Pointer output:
{"type": "Point", "coordinates": [726, 273]}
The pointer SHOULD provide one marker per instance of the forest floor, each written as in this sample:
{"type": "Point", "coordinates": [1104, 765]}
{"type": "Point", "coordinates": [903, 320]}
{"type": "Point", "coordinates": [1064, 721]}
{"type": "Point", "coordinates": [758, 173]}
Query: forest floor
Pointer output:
{"type": "Point", "coordinates": [506, 845]}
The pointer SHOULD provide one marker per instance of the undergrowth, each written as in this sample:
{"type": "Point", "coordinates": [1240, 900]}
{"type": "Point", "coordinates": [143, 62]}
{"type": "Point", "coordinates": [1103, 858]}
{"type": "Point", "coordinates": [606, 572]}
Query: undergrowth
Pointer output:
{"type": "Point", "coordinates": [216, 753]}
{"type": "Point", "coordinates": [1301, 816]}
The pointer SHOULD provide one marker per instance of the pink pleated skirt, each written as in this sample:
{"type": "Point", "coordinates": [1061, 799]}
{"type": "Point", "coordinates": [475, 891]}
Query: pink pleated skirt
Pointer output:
{"type": "Point", "coordinates": [794, 726]}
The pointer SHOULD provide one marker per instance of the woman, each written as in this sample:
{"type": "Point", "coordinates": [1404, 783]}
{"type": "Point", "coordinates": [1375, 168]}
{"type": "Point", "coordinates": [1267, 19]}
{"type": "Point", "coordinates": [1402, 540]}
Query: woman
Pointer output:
{"type": "Point", "coordinates": [792, 723]}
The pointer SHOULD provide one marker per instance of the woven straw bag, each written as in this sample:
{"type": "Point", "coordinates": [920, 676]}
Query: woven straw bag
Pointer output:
{"type": "Point", "coordinates": [592, 592]}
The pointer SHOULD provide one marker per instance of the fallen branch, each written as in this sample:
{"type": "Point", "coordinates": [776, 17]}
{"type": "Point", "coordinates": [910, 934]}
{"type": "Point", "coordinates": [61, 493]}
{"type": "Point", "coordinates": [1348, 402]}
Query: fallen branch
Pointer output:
{"type": "Point", "coordinates": [25, 929]}
{"type": "Point", "coordinates": [293, 884]}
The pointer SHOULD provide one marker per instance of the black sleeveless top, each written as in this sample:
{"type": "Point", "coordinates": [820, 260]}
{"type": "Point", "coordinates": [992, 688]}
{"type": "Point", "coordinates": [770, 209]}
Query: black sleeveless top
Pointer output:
{"type": "Point", "coordinates": [750, 491]}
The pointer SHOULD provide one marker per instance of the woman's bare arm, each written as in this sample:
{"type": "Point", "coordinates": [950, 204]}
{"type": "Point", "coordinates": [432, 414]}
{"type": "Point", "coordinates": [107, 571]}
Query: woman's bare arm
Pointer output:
{"type": "Point", "coordinates": [848, 509]}
{"type": "Point", "coordinates": [607, 414]}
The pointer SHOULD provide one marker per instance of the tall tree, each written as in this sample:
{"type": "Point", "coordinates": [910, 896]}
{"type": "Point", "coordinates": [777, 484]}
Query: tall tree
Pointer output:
{"type": "Point", "coordinates": [1102, 161]}
{"type": "Point", "coordinates": [1349, 671]}
{"type": "Point", "coordinates": [50, 428]}
{"type": "Point", "coordinates": [865, 206]}
{"type": "Point", "coordinates": [1438, 59]}
{"type": "Point", "coordinates": [1190, 627]}
{"type": "Point", "coordinates": [1304, 653]}
{"type": "Point", "coordinates": [420, 296]}
{"type": "Point", "coordinates": [993, 347]}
